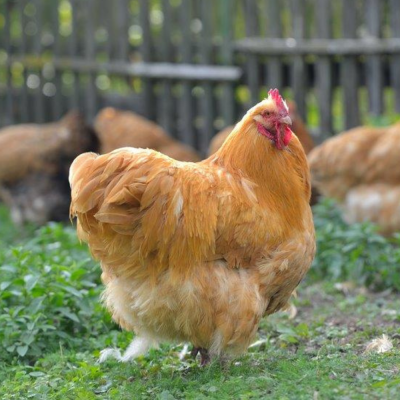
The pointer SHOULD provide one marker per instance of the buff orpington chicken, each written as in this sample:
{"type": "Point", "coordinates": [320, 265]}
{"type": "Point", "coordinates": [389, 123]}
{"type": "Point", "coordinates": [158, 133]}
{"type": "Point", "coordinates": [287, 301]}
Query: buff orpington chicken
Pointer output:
{"type": "Point", "coordinates": [199, 252]}
{"type": "Point", "coordinates": [117, 128]}
{"type": "Point", "coordinates": [34, 165]}
{"type": "Point", "coordinates": [360, 169]}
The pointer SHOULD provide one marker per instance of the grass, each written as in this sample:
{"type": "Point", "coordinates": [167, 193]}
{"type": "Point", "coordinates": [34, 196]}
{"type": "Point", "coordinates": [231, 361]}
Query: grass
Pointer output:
{"type": "Point", "coordinates": [319, 354]}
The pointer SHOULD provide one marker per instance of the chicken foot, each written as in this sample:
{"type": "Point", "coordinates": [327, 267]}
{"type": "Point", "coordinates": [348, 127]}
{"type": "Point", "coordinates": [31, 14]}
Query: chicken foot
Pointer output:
{"type": "Point", "coordinates": [204, 356]}
{"type": "Point", "coordinates": [138, 346]}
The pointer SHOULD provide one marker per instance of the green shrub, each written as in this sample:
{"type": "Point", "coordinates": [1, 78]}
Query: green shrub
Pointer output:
{"type": "Point", "coordinates": [49, 294]}
{"type": "Point", "coordinates": [354, 252]}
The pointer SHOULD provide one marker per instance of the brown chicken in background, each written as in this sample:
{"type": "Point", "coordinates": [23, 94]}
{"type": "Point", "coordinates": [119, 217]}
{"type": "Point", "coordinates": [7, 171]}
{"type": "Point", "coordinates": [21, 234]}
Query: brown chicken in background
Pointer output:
{"type": "Point", "coordinates": [360, 169]}
{"type": "Point", "coordinates": [117, 129]}
{"type": "Point", "coordinates": [34, 165]}
{"type": "Point", "coordinates": [199, 252]}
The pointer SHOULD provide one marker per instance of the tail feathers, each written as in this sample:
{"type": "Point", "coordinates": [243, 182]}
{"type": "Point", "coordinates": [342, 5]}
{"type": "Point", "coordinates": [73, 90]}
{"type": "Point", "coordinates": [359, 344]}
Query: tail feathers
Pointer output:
{"type": "Point", "coordinates": [139, 346]}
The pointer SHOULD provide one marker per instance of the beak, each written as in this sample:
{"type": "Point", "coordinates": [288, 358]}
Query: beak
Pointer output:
{"type": "Point", "coordinates": [286, 120]}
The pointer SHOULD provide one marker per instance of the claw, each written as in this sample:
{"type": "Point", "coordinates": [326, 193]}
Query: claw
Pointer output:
{"type": "Point", "coordinates": [204, 356]}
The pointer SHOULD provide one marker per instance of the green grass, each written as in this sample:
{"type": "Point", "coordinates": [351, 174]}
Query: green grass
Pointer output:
{"type": "Point", "coordinates": [52, 327]}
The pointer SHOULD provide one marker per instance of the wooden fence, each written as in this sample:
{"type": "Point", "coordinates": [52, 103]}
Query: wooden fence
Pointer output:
{"type": "Point", "coordinates": [194, 66]}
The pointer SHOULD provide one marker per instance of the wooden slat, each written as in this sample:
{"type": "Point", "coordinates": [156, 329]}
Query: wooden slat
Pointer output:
{"type": "Point", "coordinates": [394, 12]}
{"type": "Point", "coordinates": [9, 109]}
{"type": "Point", "coordinates": [274, 76]}
{"type": "Point", "coordinates": [251, 15]}
{"type": "Point", "coordinates": [24, 108]}
{"type": "Point", "coordinates": [167, 109]}
{"type": "Point", "coordinates": [186, 107]}
{"type": "Point", "coordinates": [122, 30]}
{"type": "Point", "coordinates": [185, 72]}
{"type": "Point", "coordinates": [207, 100]}
{"type": "Point", "coordinates": [298, 72]}
{"type": "Point", "coordinates": [57, 99]}
{"type": "Point", "coordinates": [319, 47]}
{"type": "Point", "coordinates": [113, 27]}
{"type": "Point", "coordinates": [90, 55]}
{"type": "Point", "coordinates": [37, 48]}
{"type": "Point", "coordinates": [349, 72]}
{"type": "Point", "coordinates": [227, 8]}
{"type": "Point", "coordinates": [74, 102]}
{"type": "Point", "coordinates": [374, 64]}
{"type": "Point", "coordinates": [324, 83]}
{"type": "Point", "coordinates": [146, 52]}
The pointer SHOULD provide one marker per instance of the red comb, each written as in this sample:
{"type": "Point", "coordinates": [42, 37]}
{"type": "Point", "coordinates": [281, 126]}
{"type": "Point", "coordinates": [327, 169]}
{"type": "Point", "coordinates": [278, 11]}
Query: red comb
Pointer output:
{"type": "Point", "coordinates": [280, 103]}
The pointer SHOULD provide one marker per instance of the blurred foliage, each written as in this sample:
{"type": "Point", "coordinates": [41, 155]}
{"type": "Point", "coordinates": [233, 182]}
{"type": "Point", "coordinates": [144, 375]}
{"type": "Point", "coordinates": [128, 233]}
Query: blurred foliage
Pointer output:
{"type": "Point", "coordinates": [354, 252]}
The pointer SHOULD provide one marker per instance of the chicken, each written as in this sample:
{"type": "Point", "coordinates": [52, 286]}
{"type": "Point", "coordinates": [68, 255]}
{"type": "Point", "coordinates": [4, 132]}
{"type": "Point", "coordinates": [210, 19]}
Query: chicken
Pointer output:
{"type": "Point", "coordinates": [34, 165]}
{"type": "Point", "coordinates": [199, 252]}
{"type": "Point", "coordinates": [298, 127]}
{"type": "Point", "coordinates": [359, 168]}
{"type": "Point", "coordinates": [116, 129]}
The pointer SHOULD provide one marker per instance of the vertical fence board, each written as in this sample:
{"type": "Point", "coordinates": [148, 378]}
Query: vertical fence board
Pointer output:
{"type": "Point", "coordinates": [298, 67]}
{"type": "Point", "coordinates": [37, 48]}
{"type": "Point", "coordinates": [90, 55]}
{"type": "Point", "coordinates": [394, 12]}
{"type": "Point", "coordinates": [227, 8]}
{"type": "Point", "coordinates": [374, 64]}
{"type": "Point", "coordinates": [57, 99]}
{"type": "Point", "coordinates": [274, 76]}
{"type": "Point", "coordinates": [146, 51]}
{"type": "Point", "coordinates": [9, 115]}
{"type": "Point", "coordinates": [252, 64]}
{"type": "Point", "coordinates": [24, 114]}
{"type": "Point", "coordinates": [207, 100]}
{"type": "Point", "coordinates": [73, 52]}
{"type": "Point", "coordinates": [348, 68]}
{"type": "Point", "coordinates": [167, 104]}
{"type": "Point", "coordinates": [122, 30]}
{"type": "Point", "coordinates": [324, 84]}
{"type": "Point", "coordinates": [187, 132]}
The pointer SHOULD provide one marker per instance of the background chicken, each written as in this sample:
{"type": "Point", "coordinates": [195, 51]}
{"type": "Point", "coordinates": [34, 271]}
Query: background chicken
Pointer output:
{"type": "Point", "coordinates": [34, 165]}
{"type": "Point", "coordinates": [199, 252]}
{"type": "Point", "coordinates": [116, 129]}
{"type": "Point", "coordinates": [360, 169]}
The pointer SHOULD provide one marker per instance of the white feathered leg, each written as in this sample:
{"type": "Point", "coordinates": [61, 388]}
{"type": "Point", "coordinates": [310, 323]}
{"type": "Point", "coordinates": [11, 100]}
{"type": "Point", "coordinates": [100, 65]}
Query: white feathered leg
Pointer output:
{"type": "Point", "coordinates": [138, 346]}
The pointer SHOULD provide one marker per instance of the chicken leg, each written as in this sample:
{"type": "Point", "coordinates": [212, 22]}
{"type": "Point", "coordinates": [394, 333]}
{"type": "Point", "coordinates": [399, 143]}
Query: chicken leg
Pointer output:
{"type": "Point", "coordinates": [204, 356]}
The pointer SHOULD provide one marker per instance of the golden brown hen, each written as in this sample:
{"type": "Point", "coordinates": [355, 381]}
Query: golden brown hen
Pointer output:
{"type": "Point", "coordinates": [117, 129]}
{"type": "Point", "coordinates": [199, 252]}
{"type": "Point", "coordinates": [360, 169]}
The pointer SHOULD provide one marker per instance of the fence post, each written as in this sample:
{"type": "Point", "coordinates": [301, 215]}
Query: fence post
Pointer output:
{"type": "Point", "coordinates": [146, 50]}
{"type": "Point", "coordinates": [298, 68]}
{"type": "Point", "coordinates": [274, 66]}
{"type": "Point", "coordinates": [252, 65]}
{"type": "Point", "coordinates": [228, 100]}
{"type": "Point", "coordinates": [187, 133]}
{"type": "Point", "coordinates": [394, 12]}
{"type": "Point", "coordinates": [207, 100]}
{"type": "Point", "coordinates": [348, 69]}
{"type": "Point", "coordinates": [324, 84]}
{"type": "Point", "coordinates": [374, 64]}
